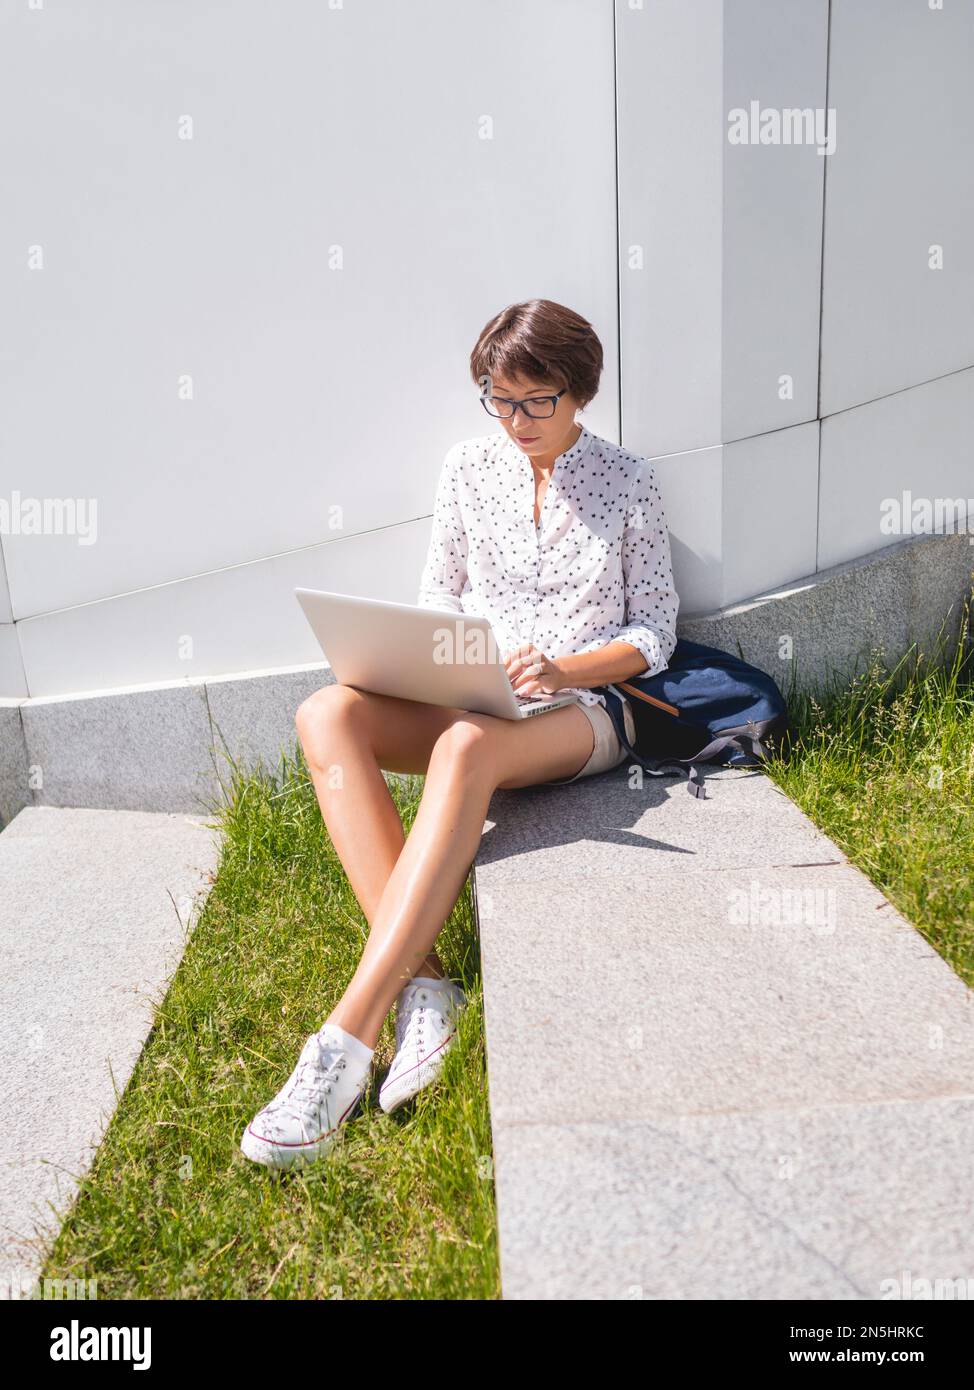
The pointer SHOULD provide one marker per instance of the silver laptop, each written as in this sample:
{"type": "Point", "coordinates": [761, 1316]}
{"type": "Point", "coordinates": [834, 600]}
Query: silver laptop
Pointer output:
{"type": "Point", "coordinates": [429, 654]}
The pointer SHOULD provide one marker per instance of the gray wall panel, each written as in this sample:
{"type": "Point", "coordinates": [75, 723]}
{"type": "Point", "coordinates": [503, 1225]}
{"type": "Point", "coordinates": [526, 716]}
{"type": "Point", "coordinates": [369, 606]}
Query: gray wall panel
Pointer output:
{"type": "Point", "coordinates": [671, 146]}
{"type": "Point", "coordinates": [917, 441]}
{"type": "Point", "coordinates": [775, 53]}
{"type": "Point", "coordinates": [900, 181]}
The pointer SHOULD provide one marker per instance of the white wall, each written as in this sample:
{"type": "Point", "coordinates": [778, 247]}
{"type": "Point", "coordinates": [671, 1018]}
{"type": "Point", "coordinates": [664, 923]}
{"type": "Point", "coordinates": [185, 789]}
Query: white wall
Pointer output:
{"type": "Point", "coordinates": [314, 387]}
{"type": "Point", "coordinates": [324, 398]}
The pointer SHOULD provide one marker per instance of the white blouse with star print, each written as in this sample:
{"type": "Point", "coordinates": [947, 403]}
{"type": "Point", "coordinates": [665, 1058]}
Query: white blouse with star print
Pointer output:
{"type": "Point", "coordinates": [596, 569]}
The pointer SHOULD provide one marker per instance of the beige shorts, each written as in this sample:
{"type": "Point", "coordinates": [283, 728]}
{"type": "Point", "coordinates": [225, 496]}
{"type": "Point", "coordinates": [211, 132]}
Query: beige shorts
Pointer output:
{"type": "Point", "coordinates": [608, 751]}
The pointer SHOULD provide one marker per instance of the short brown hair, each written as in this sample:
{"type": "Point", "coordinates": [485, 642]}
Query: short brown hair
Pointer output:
{"type": "Point", "coordinates": [543, 340]}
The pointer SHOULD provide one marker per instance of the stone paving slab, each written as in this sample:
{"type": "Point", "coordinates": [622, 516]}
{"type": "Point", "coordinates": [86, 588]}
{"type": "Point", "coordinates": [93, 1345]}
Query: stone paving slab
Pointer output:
{"type": "Point", "coordinates": [148, 749]}
{"type": "Point", "coordinates": [641, 982]}
{"type": "Point", "coordinates": [14, 792]}
{"type": "Point", "coordinates": [602, 826]}
{"type": "Point", "coordinates": [827, 1202]}
{"type": "Point", "coordinates": [165, 747]}
{"type": "Point", "coordinates": [94, 915]}
{"type": "Point", "coordinates": [665, 1004]}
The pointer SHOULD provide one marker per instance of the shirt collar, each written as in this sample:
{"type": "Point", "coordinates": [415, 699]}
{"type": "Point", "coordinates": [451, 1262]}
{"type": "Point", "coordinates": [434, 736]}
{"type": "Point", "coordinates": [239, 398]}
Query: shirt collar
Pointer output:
{"type": "Point", "coordinates": [578, 448]}
{"type": "Point", "coordinates": [571, 455]}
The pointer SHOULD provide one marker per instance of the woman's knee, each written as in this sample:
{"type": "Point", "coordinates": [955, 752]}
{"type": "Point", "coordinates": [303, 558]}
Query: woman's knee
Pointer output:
{"type": "Point", "coordinates": [322, 710]}
{"type": "Point", "coordinates": [466, 743]}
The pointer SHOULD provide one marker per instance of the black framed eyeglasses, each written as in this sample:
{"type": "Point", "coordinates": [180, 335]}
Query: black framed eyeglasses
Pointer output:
{"type": "Point", "coordinates": [535, 407]}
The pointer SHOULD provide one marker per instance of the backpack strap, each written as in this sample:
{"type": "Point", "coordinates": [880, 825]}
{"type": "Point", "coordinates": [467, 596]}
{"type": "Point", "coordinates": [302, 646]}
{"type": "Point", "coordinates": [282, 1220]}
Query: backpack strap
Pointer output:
{"type": "Point", "coordinates": [656, 767]}
{"type": "Point", "coordinates": [690, 767]}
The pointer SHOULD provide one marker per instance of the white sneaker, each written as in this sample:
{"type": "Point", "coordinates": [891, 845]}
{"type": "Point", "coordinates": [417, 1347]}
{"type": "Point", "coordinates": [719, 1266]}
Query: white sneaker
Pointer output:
{"type": "Point", "coordinates": [301, 1122]}
{"type": "Point", "coordinates": [426, 1026]}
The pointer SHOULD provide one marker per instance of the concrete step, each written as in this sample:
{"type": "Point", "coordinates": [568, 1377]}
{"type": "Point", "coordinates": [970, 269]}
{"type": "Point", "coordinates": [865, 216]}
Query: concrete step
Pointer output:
{"type": "Point", "coordinates": [94, 912]}
{"type": "Point", "coordinates": [721, 1064]}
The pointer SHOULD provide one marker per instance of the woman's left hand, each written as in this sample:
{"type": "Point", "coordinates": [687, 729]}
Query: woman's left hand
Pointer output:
{"type": "Point", "coordinates": [533, 673]}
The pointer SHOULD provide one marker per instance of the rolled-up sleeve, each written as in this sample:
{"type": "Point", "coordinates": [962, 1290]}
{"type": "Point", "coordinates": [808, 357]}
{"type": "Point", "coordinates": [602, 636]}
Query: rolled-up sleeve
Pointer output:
{"type": "Point", "coordinates": [651, 598]}
{"type": "Point", "coordinates": [445, 572]}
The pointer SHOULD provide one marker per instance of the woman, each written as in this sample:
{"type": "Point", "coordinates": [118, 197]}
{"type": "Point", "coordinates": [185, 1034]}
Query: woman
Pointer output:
{"type": "Point", "coordinates": [558, 537]}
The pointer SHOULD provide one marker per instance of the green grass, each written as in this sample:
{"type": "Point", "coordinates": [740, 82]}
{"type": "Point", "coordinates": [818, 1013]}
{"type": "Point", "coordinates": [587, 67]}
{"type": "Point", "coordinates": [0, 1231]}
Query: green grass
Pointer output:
{"type": "Point", "coordinates": [402, 1207]}
{"type": "Point", "coordinates": [884, 765]}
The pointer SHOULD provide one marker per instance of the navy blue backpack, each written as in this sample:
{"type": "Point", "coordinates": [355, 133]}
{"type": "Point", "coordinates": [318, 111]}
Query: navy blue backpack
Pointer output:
{"type": "Point", "coordinates": [706, 707]}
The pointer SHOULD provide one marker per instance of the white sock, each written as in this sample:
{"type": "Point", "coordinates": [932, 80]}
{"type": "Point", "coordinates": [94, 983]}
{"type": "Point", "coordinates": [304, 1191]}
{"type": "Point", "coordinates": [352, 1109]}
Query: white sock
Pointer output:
{"type": "Point", "coordinates": [355, 1047]}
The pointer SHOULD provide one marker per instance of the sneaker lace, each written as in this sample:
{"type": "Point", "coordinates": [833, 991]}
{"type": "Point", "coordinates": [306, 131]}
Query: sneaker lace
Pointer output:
{"type": "Point", "coordinates": [409, 1016]}
{"type": "Point", "coordinates": [313, 1078]}
{"type": "Point", "coordinates": [413, 1033]}
{"type": "Point", "coordinates": [412, 1014]}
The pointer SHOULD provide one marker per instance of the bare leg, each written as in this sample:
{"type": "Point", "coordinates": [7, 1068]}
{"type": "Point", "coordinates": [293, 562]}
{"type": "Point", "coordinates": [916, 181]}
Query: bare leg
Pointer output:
{"type": "Point", "coordinates": [348, 736]}
{"type": "Point", "coordinates": [469, 756]}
